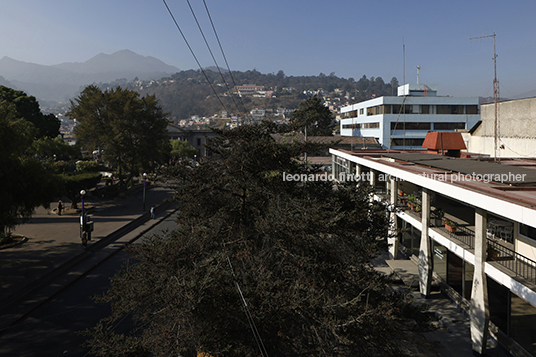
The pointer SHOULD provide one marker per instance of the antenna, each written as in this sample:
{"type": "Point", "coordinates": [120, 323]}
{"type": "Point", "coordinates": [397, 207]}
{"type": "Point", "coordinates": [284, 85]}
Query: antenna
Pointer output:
{"type": "Point", "coordinates": [404, 59]}
{"type": "Point", "coordinates": [495, 96]}
{"type": "Point", "coordinates": [418, 69]}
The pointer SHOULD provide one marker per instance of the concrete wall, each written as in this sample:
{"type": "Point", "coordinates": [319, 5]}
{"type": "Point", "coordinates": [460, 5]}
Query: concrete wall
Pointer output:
{"type": "Point", "coordinates": [517, 129]}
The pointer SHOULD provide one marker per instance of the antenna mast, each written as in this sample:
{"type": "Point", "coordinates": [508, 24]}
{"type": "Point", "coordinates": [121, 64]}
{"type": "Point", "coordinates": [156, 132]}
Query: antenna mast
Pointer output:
{"type": "Point", "coordinates": [495, 96]}
{"type": "Point", "coordinates": [418, 69]}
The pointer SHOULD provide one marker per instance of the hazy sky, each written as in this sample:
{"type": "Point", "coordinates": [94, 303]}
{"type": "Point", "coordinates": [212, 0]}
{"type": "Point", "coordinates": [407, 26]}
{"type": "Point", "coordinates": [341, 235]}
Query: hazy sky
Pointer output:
{"type": "Point", "coordinates": [351, 38]}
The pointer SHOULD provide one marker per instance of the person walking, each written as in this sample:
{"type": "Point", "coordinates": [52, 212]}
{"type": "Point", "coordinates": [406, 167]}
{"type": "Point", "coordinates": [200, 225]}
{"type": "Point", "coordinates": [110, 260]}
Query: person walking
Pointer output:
{"type": "Point", "coordinates": [152, 212]}
{"type": "Point", "coordinates": [60, 207]}
{"type": "Point", "coordinates": [84, 239]}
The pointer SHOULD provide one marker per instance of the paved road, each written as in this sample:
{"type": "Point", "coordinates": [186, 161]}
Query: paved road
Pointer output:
{"type": "Point", "coordinates": [51, 330]}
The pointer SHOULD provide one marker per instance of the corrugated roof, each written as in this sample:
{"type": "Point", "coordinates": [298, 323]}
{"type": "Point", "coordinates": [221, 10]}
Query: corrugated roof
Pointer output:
{"type": "Point", "coordinates": [485, 170]}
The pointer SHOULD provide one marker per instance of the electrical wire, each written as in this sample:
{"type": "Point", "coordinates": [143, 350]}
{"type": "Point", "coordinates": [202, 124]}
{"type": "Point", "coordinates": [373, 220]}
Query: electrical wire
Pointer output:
{"type": "Point", "coordinates": [210, 51]}
{"type": "Point", "coordinates": [193, 54]}
{"type": "Point", "coordinates": [251, 322]}
{"type": "Point", "coordinates": [223, 53]}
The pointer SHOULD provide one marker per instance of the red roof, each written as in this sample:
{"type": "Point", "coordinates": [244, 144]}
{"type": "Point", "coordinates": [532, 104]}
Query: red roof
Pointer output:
{"type": "Point", "coordinates": [443, 141]}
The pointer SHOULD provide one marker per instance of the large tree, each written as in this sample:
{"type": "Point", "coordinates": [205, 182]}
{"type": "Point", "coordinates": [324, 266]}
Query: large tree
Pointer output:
{"type": "Point", "coordinates": [313, 117]}
{"type": "Point", "coordinates": [26, 182]}
{"type": "Point", "coordinates": [27, 107]}
{"type": "Point", "coordinates": [259, 264]}
{"type": "Point", "coordinates": [131, 130]}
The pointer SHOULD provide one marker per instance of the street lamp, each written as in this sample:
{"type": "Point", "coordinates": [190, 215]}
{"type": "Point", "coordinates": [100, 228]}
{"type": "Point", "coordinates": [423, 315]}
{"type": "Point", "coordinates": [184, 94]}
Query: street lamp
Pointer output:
{"type": "Point", "coordinates": [82, 194]}
{"type": "Point", "coordinates": [144, 185]}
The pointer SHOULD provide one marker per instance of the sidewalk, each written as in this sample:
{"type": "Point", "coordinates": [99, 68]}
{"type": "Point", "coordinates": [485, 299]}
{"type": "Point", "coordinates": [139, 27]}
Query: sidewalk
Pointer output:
{"type": "Point", "coordinates": [454, 336]}
{"type": "Point", "coordinates": [54, 240]}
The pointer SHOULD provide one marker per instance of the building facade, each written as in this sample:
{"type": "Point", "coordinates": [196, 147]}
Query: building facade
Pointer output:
{"type": "Point", "coordinates": [403, 121]}
{"type": "Point", "coordinates": [468, 224]}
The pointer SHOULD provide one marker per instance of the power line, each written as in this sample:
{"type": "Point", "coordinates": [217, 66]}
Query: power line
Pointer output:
{"type": "Point", "coordinates": [223, 53]}
{"type": "Point", "coordinates": [210, 51]}
{"type": "Point", "coordinates": [193, 54]}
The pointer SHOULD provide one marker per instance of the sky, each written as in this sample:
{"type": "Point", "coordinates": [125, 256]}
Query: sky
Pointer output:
{"type": "Point", "coordinates": [348, 37]}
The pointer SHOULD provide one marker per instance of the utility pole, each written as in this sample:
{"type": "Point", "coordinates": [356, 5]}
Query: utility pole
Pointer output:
{"type": "Point", "coordinates": [495, 96]}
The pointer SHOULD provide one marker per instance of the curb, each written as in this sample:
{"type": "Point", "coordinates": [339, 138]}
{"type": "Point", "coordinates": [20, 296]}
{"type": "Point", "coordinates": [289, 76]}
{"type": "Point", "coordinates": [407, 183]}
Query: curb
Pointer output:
{"type": "Point", "coordinates": [11, 245]}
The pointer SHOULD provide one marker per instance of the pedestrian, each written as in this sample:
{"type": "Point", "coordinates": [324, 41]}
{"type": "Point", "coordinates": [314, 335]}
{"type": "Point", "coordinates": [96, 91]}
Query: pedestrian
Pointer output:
{"type": "Point", "coordinates": [84, 238]}
{"type": "Point", "coordinates": [152, 212]}
{"type": "Point", "coordinates": [60, 207]}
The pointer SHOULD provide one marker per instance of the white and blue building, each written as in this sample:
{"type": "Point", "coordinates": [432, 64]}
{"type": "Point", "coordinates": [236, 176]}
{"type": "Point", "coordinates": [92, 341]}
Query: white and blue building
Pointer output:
{"type": "Point", "coordinates": [402, 122]}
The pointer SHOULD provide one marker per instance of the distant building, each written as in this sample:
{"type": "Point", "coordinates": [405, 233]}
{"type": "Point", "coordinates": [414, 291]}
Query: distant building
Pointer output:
{"type": "Point", "coordinates": [247, 89]}
{"type": "Point", "coordinates": [402, 122]}
{"type": "Point", "coordinates": [195, 137]}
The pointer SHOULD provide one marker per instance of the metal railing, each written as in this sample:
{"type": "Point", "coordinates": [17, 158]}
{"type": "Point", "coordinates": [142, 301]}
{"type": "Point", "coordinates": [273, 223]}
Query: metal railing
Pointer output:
{"type": "Point", "coordinates": [512, 260]}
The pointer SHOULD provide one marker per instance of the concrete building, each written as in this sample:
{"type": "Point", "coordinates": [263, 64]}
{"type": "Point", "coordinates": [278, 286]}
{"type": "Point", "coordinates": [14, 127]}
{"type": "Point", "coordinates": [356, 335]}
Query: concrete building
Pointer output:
{"type": "Point", "coordinates": [403, 121]}
{"type": "Point", "coordinates": [195, 137]}
{"type": "Point", "coordinates": [516, 130]}
{"type": "Point", "coordinates": [469, 225]}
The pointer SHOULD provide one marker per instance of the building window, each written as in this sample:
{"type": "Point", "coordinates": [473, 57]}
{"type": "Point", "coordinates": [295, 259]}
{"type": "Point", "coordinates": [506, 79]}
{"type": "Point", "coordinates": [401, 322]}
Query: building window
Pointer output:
{"type": "Point", "coordinates": [425, 109]}
{"type": "Point", "coordinates": [361, 111]}
{"type": "Point", "coordinates": [198, 141]}
{"type": "Point", "coordinates": [449, 126]}
{"type": "Point", "coordinates": [471, 109]}
{"type": "Point", "coordinates": [440, 260]}
{"type": "Point", "coordinates": [527, 231]}
{"type": "Point", "coordinates": [406, 142]}
{"type": "Point", "coordinates": [411, 126]}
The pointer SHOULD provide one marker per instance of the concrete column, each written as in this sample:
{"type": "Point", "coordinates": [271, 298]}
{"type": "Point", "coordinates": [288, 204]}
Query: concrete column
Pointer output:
{"type": "Point", "coordinates": [426, 262]}
{"type": "Point", "coordinates": [373, 177]}
{"type": "Point", "coordinates": [393, 238]}
{"type": "Point", "coordinates": [479, 307]}
{"type": "Point", "coordinates": [333, 168]}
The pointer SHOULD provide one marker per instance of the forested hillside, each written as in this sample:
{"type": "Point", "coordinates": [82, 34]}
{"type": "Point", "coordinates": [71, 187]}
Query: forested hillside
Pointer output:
{"type": "Point", "coordinates": [188, 93]}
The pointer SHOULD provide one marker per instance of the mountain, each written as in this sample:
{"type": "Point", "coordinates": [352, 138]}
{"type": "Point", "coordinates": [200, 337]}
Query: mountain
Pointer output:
{"type": "Point", "coordinates": [63, 81]}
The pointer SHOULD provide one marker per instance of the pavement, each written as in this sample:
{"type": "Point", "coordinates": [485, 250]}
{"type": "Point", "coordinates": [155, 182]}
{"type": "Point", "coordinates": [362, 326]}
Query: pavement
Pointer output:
{"type": "Point", "coordinates": [53, 243]}
{"type": "Point", "coordinates": [453, 336]}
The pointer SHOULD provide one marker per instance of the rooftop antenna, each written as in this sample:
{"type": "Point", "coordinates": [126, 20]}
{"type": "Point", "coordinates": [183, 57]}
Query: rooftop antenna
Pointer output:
{"type": "Point", "coordinates": [495, 97]}
{"type": "Point", "coordinates": [404, 59]}
{"type": "Point", "coordinates": [418, 69]}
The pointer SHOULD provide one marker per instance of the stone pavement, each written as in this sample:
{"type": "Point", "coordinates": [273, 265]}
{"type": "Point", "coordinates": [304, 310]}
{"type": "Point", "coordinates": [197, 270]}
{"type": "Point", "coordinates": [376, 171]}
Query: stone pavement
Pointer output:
{"type": "Point", "coordinates": [453, 338]}
{"type": "Point", "coordinates": [54, 240]}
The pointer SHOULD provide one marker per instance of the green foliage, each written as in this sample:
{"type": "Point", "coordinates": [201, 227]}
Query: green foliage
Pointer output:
{"type": "Point", "coordinates": [296, 253]}
{"type": "Point", "coordinates": [26, 182]}
{"type": "Point", "coordinates": [55, 148]}
{"type": "Point", "coordinates": [130, 129]}
{"type": "Point", "coordinates": [74, 183]}
{"type": "Point", "coordinates": [27, 107]}
{"type": "Point", "coordinates": [182, 149]}
{"type": "Point", "coordinates": [314, 116]}
{"type": "Point", "coordinates": [87, 166]}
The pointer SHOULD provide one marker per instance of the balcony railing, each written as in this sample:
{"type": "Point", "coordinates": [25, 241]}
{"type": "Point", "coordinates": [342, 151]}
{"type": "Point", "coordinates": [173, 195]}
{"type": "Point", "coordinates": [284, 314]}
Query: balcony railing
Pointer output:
{"type": "Point", "coordinates": [512, 260]}
{"type": "Point", "coordinates": [520, 265]}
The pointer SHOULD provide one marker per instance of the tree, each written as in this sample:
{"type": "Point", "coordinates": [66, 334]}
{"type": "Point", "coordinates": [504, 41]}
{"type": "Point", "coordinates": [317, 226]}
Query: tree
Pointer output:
{"type": "Point", "coordinates": [26, 182]}
{"type": "Point", "coordinates": [259, 265]}
{"type": "Point", "coordinates": [314, 117]}
{"type": "Point", "coordinates": [182, 149]}
{"type": "Point", "coordinates": [28, 108]}
{"type": "Point", "coordinates": [131, 130]}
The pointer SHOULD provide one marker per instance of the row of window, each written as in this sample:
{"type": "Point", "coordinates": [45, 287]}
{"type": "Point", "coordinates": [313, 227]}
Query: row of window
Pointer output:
{"type": "Point", "coordinates": [426, 126]}
{"type": "Point", "coordinates": [361, 126]}
{"type": "Point", "coordinates": [413, 109]}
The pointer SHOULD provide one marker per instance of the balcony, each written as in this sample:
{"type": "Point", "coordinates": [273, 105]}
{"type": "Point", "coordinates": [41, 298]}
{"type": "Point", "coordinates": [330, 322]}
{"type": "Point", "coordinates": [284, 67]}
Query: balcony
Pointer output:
{"type": "Point", "coordinates": [499, 251]}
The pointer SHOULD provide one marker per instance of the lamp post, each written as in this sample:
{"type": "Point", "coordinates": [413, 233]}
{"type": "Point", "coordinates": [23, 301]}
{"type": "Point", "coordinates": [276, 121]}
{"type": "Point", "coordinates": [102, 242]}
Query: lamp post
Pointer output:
{"type": "Point", "coordinates": [82, 194]}
{"type": "Point", "coordinates": [144, 185]}
{"type": "Point", "coordinates": [82, 216]}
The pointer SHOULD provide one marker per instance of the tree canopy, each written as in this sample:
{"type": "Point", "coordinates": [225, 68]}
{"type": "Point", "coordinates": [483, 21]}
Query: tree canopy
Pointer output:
{"type": "Point", "coordinates": [26, 182]}
{"type": "Point", "coordinates": [259, 264]}
{"type": "Point", "coordinates": [27, 107]}
{"type": "Point", "coordinates": [314, 117]}
{"type": "Point", "coordinates": [131, 130]}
